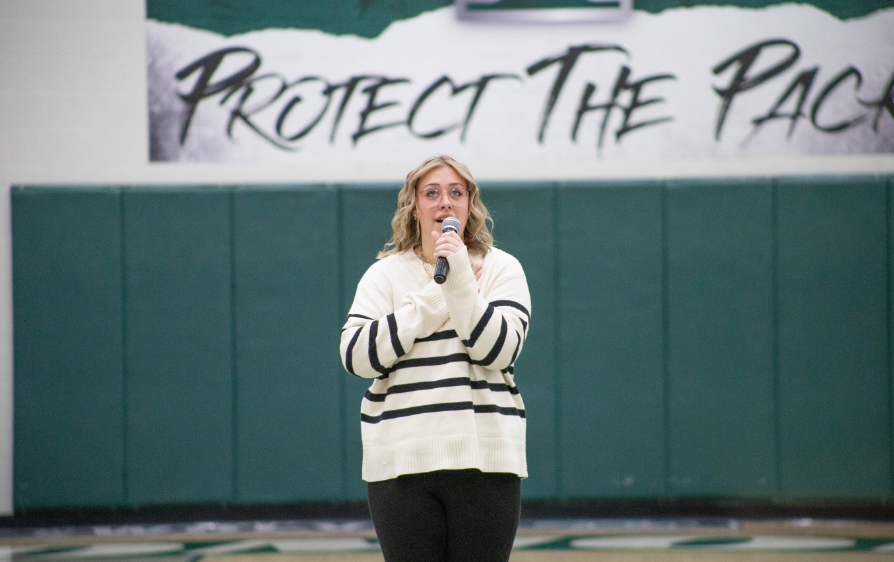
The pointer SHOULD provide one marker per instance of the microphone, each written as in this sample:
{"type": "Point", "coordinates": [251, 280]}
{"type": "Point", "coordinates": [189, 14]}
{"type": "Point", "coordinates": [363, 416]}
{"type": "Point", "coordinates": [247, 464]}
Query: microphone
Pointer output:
{"type": "Point", "coordinates": [450, 224]}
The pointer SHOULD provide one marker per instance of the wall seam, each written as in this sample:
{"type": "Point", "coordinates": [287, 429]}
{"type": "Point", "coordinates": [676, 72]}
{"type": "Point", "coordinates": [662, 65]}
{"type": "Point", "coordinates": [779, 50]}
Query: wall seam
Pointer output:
{"type": "Point", "coordinates": [665, 329]}
{"type": "Point", "coordinates": [889, 185]}
{"type": "Point", "coordinates": [342, 380]}
{"type": "Point", "coordinates": [8, 503]}
{"type": "Point", "coordinates": [777, 411]}
{"type": "Point", "coordinates": [557, 338]}
{"type": "Point", "coordinates": [122, 224]}
{"type": "Point", "coordinates": [234, 352]}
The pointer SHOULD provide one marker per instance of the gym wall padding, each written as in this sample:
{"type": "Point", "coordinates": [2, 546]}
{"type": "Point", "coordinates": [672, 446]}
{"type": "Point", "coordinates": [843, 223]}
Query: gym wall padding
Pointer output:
{"type": "Point", "coordinates": [726, 338]}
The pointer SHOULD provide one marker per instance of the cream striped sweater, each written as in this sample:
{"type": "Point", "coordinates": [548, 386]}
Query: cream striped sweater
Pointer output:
{"type": "Point", "coordinates": [442, 358]}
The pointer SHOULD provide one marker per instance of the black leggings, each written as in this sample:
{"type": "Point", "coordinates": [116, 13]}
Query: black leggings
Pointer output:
{"type": "Point", "coordinates": [446, 516]}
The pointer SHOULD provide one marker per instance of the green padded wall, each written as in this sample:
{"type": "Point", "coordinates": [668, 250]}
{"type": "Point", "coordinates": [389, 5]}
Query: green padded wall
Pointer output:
{"type": "Point", "coordinates": [285, 314]}
{"type": "Point", "coordinates": [179, 349]}
{"type": "Point", "coordinates": [610, 388]}
{"type": "Point", "coordinates": [525, 227]}
{"type": "Point", "coordinates": [365, 213]}
{"type": "Point", "coordinates": [690, 339]}
{"type": "Point", "coordinates": [834, 380]}
{"type": "Point", "coordinates": [720, 395]}
{"type": "Point", "coordinates": [69, 417]}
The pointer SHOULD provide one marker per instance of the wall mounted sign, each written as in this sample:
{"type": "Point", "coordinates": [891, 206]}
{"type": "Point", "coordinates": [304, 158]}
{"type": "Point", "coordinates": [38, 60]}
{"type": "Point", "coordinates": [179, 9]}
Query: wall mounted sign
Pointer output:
{"type": "Point", "coordinates": [543, 10]}
{"type": "Point", "coordinates": [704, 82]}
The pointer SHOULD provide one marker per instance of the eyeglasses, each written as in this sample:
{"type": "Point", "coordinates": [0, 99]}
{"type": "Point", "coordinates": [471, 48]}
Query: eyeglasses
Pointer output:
{"type": "Point", "coordinates": [455, 193]}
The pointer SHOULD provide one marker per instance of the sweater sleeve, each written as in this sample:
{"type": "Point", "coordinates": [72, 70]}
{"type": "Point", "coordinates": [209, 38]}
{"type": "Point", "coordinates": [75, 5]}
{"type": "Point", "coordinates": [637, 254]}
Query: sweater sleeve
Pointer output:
{"type": "Point", "coordinates": [493, 326]}
{"type": "Point", "coordinates": [376, 335]}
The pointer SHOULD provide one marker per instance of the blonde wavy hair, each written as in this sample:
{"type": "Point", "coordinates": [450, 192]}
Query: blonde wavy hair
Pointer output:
{"type": "Point", "coordinates": [477, 235]}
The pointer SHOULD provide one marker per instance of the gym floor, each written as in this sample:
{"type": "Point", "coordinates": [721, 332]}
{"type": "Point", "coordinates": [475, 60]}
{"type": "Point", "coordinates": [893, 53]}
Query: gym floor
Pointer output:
{"type": "Point", "coordinates": [582, 540]}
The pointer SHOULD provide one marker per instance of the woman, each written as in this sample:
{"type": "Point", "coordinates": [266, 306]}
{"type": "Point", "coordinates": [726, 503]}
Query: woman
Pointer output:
{"type": "Point", "coordinates": [443, 424]}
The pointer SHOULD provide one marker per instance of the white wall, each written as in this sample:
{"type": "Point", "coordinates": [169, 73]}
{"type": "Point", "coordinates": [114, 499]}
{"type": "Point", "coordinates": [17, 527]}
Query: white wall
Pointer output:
{"type": "Point", "coordinates": [73, 111]}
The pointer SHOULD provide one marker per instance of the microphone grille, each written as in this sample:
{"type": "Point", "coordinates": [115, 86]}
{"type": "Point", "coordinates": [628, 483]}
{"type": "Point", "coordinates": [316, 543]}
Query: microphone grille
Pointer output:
{"type": "Point", "coordinates": [450, 224]}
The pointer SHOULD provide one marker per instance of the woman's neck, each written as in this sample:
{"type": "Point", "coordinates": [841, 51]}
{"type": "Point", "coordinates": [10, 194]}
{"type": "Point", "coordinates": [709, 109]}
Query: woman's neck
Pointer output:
{"type": "Point", "coordinates": [427, 254]}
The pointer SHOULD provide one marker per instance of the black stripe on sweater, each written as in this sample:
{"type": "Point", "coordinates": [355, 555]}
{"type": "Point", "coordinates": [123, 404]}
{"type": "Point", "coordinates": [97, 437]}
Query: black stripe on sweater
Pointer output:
{"type": "Point", "coordinates": [349, 361]}
{"type": "Point", "coordinates": [521, 307]}
{"type": "Point", "coordinates": [446, 407]}
{"type": "Point", "coordinates": [513, 304]}
{"type": "Point", "coordinates": [479, 328]}
{"type": "Point", "coordinates": [359, 316]}
{"type": "Point", "coordinates": [373, 352]}
{"type": "Point", "coordinates": [434, 362]}
{"type": "Point", "coordinates": [498, 347]}
{"type": "Point", "coordinates": [517, 347]}
{"type": "Point", "coordinates": [395, 341]}
{"type": "Point", "coordinates": [445, 335]}
{"type": "Point", "coordinates": [416, 410]}
{"type": "Point", "coordinates": [494, 387]}
{"type": "Point", "coordinates": [413, 387]}
{"type": "Point", "coordinates": [491, 409]}
{"type": "Point", "coordinates": [443, 383]}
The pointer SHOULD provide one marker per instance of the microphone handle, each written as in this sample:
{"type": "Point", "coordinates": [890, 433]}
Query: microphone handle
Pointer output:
{"type": "Point", "coordinates": [441, 270]}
